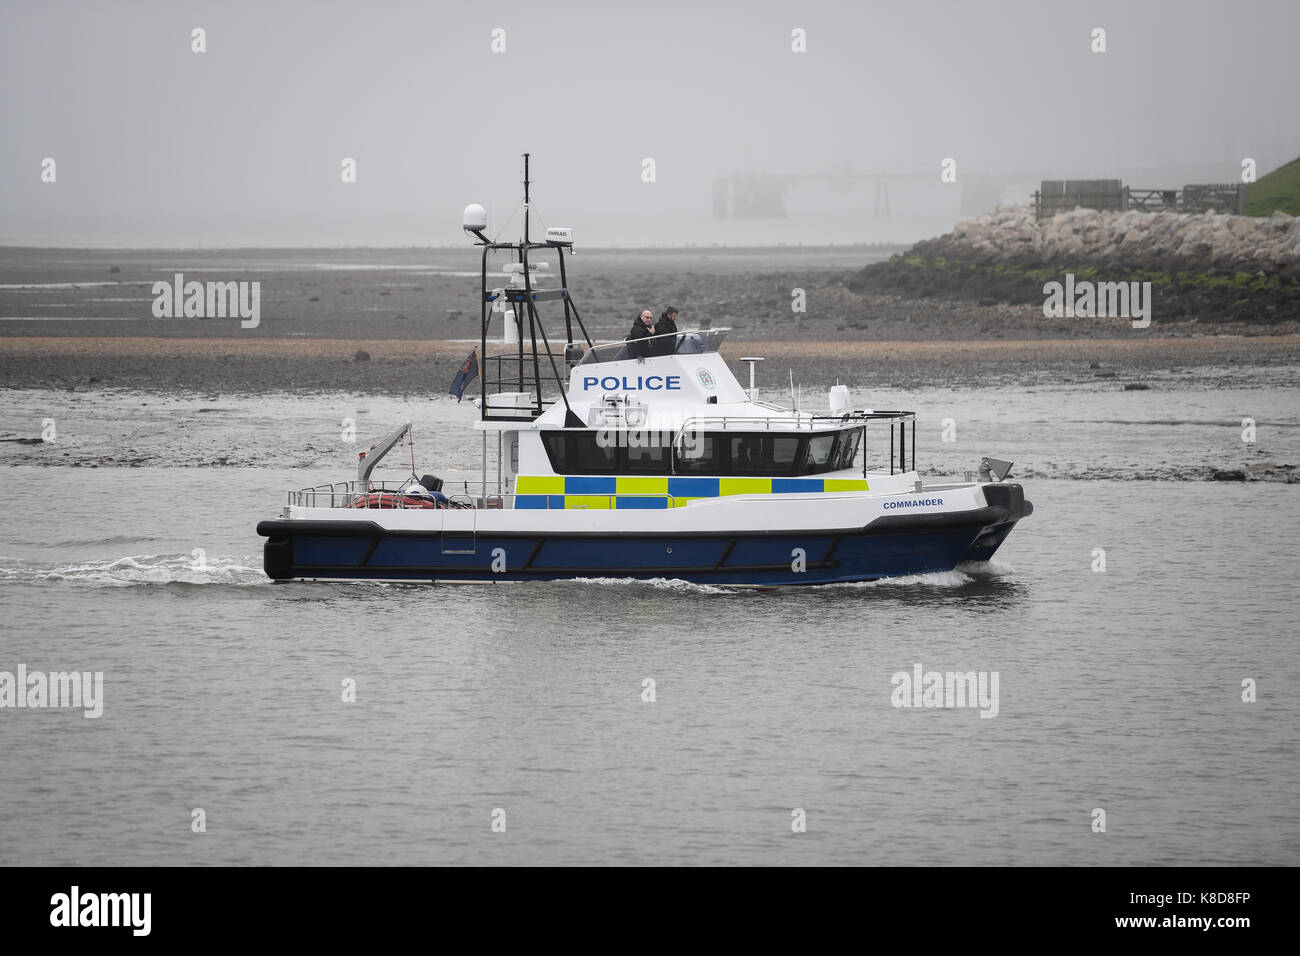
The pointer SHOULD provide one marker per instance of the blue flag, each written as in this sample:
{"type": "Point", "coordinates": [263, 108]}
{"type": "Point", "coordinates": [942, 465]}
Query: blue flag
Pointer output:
{"type": "Point", "coordinates": [468, 372]}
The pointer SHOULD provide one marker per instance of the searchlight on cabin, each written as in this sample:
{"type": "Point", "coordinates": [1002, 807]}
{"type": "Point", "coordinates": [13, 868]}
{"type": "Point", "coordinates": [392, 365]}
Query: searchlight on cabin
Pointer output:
{"type": "Point", "coordinates": [515, 270]}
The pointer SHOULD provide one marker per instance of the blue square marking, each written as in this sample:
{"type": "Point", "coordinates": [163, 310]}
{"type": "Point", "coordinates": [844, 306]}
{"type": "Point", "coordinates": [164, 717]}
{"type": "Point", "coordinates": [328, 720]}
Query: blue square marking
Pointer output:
{"type": "Point", "coordinates": [590, 486]}
{"type": "Point", "coordinates": [642, 502]}
{"type": "Point", "coordinates": [786, 486]}
{"type": "Point", "coordinates": [693, 487]}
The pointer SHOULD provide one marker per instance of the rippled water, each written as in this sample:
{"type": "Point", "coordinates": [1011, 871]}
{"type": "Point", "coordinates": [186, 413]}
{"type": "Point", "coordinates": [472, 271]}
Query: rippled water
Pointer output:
{"type": "Point", "coordinates": [1118, 690]}
{"type": "Point", "coordinates": [1186, 425]}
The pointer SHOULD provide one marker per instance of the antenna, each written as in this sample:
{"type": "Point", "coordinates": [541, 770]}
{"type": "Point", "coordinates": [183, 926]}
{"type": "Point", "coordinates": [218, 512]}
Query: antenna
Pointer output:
{"type": "Point", "coordinates": [527, 202]}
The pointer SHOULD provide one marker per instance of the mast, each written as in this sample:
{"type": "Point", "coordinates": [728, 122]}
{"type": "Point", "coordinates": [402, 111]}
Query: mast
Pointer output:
{"type": "Point", "coordinates": [523, 302]}
{"type": "Point", "coordinates": [527, 200]}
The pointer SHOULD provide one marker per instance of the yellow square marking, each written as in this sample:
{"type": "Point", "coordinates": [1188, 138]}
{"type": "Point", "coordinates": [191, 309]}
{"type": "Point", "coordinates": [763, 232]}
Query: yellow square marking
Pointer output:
{"type": "Point", "coordinates": [846, 484]}
{"type": "Point", "coordinates": [744, 486]}
{"type": "Point", "coordinates": [643, 486]}
{"type": "Point", "coordinates": [539, 485]}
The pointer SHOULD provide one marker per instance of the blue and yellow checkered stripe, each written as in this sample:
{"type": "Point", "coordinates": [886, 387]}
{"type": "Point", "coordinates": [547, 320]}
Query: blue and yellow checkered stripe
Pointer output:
{"type": "Point", "coordinates": [573, 491]}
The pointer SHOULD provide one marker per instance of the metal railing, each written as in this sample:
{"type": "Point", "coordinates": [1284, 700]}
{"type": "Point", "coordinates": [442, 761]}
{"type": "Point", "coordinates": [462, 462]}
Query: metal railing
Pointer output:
{"type": "Point", "coordinates": [357, 495]}
{"type": "Point", "coordinates": [722, 423]}
{"type": "Point", "coordinates": [689, 342]}
{"type": "Point", "coordinates": [809, 422]}
{"type": "Point", "coordinates": [800, 421]}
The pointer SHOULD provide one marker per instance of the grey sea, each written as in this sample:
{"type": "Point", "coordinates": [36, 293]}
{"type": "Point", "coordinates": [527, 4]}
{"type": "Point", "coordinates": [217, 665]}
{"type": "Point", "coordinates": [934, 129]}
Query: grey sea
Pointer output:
{"type": "Point", "coordinates": [1141, 626]}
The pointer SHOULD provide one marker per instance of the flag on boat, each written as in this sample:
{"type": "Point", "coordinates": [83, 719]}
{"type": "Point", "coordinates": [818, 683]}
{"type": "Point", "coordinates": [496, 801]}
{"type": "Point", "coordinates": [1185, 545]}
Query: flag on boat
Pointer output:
{"type": "Point", "coordinates": [468, 372]}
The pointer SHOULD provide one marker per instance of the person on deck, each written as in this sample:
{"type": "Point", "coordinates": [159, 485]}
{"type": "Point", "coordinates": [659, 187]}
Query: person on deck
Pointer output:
{"type": "Point", "coordinates": [666, 326]}
{"type": "Point", "coordinates": [643, 326]}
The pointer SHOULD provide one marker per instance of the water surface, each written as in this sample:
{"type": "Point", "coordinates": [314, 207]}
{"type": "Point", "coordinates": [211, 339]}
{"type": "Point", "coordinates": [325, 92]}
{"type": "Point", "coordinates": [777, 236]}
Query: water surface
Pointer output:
{"type": "Point", "coordinates": [1118, 690]}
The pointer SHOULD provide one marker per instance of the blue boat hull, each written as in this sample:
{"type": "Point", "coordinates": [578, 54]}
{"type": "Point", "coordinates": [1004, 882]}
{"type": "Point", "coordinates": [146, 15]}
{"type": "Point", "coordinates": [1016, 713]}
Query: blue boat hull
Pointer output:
{"type": "Point", "coordinates": [888, 547]}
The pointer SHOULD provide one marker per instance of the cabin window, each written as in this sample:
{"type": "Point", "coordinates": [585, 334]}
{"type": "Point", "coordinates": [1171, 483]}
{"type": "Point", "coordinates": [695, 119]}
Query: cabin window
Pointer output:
{"type": "Point", "coordinates": [848, 449]}
{"type": "Point", "coordinates": [609, 452]}
{"type": "Point", "coordinates": [698, 454]}
{"type": "Point", "coordinates": [763, 454]}
{"type": "Point", "coordinates": [818, 456]}
{"type": "Point", "coordinates": [603, 452]}
{"type": "Point", "coordinates": [645, 459]}
{"type": "Point", "coordinates": [556, 444]}
{"type": "Point", "coordinates": [594, 453]}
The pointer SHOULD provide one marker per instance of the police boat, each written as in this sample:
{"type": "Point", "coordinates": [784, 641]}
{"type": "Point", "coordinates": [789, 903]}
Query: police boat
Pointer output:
{"type": "Point", "coordinates": [602, 462]}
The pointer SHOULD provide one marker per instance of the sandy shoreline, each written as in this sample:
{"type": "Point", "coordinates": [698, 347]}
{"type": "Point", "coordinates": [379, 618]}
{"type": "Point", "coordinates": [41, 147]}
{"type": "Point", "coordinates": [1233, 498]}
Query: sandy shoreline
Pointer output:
{"type": "Point", "coordinates": [1183, 349]}
{"type": "Point", "coordinates": [415, 314]}
{"type": "Point", "coordinates": [411, 366]}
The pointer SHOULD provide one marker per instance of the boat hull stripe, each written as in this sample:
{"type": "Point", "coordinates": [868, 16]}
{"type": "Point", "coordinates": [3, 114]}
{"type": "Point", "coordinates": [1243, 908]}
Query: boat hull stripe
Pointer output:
{"type": "Point", "coordinates": [888, 545]}
{"type": "Point", "coordinates": [581, 491]}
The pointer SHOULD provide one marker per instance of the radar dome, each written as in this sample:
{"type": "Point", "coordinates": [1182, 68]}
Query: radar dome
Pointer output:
{"type": "Point", "coordinates": [474, 218]}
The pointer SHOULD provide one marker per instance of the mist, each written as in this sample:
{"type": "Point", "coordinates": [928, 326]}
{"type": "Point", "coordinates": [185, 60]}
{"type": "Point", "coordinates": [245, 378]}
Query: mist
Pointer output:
{"type": "Point", "coordinates": [244, 144]}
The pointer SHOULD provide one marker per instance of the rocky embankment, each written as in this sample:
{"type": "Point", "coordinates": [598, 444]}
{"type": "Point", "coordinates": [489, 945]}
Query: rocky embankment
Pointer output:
{"type": "Point", "coordinates": [1212, 268]}
{"type": "Point", "coordinates": [1165, 241]}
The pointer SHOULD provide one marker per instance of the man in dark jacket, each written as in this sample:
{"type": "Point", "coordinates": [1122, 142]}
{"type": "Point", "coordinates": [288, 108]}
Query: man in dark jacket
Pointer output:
{"type": "Point", "coordinates": [666, 326]}
{"type": "Point", "coordinates": [643, 326]}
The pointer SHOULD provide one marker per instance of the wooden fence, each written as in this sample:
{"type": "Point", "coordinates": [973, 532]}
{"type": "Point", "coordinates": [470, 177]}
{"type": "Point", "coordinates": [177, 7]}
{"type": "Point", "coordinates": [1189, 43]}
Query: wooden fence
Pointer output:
{"type": "Point", "coordinates": [1062, 195]}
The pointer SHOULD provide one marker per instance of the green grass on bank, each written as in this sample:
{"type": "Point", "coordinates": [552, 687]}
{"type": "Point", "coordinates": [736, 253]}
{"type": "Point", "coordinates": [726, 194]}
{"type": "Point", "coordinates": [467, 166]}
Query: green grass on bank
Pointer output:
{"type": "Point", "coordinates": [1280, 189]}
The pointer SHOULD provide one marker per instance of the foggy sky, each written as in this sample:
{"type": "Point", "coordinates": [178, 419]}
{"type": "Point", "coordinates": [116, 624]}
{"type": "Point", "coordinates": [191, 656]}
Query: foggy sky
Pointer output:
{"type": "Point", "coordinates": [158, 146]}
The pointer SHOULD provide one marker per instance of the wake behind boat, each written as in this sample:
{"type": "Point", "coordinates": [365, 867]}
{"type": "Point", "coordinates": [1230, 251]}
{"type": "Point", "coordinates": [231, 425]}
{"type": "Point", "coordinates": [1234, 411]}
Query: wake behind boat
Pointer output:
{"type": "Point", "coordinates": [643, 458]}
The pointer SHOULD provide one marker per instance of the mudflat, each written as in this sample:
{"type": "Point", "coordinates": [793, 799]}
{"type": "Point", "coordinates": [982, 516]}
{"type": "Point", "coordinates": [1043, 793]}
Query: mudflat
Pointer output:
{"type": "Point", "coordinates": [400, 321]}
{"type": "Point", "coordinates": [415, 366]}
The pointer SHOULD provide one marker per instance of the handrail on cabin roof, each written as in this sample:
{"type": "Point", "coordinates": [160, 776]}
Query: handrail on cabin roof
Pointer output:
{"type": "Point", "coordinates": [709, 340]}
